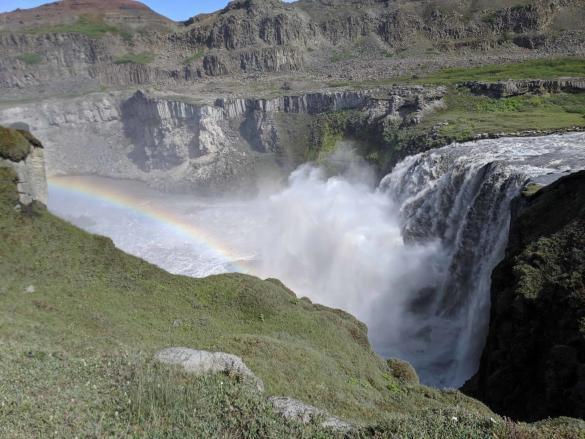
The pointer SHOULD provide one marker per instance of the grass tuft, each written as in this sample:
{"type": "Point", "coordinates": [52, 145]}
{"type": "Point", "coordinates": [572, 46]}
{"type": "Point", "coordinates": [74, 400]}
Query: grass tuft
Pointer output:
{"type": "Point", "coordinates": [136, 58]}
{"type": "Point", "coordinates": [30, 59]}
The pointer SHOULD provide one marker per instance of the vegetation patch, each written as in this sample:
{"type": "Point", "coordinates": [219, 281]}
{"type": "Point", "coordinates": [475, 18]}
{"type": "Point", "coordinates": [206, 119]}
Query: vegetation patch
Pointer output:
{"type": "Point", "coordinates": [91, 26]}
{"type": "Point", "coordinates": [467, 115]}
{"type": "Point", "coordinates": [136, 58]}
{"type": "Point", "coordinates": [30, 59]}
{"type": "Point", "coordinates": [13, 145]}
{"type": "Point", "coordinates": [534, 69]}
{"type": "Point", "coordinates": [195, 57]}
{"type": "Point", "coordinates": [342, 55]}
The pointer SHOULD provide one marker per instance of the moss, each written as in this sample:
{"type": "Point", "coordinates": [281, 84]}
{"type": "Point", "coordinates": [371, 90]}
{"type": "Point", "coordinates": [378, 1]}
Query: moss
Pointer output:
{"type": "Point", "coordinates": [533, 69]}
{"type": "Point", "coordinates": [403, 371]}
{"type": "Point", "coordinates": [194, 57]}
{"type": "Point", "coordinates": [531, 189]}
{"type": "Point", "coordinates": [89, 25]}
{"type": "Point", "coordinates": [30, 58]}
{"type": "Point", "coordinates": [136, 58]}
{"type": "Point", "coordinates": [8, 181]}
{"type": "Point", "coordinates": [14, 144]}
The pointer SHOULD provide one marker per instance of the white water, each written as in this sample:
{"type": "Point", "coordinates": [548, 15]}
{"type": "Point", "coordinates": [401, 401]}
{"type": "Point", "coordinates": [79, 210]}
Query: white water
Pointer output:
{"type": "Point", "coordinates": [411, 258]}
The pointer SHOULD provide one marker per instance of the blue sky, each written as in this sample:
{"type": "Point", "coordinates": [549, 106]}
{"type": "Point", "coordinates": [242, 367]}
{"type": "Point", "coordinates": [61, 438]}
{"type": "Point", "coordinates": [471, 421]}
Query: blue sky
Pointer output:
{"type": "Point", "coordinates": [175, 9]}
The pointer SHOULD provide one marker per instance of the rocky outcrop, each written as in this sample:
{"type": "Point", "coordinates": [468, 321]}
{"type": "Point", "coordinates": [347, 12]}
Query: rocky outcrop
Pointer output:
{"type": "Point", "coordinates": [177, 143]}
{"type": "Point", "coordinates": [204, 362]}
{"type": "Point", "coordinates": [533, 365]}
{"type": "Point", "coordinates": [505, 89]}
{"type": "Point", "coordinates": [23, 153]}
{"type": "Point", "coordinates": [294, 410]}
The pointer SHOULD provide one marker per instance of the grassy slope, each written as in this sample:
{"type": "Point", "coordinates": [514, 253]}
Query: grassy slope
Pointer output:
{"type": "Point", "coordinates": [533, 69]}
{"type": "Point", "coordinates": [95, 305]}
{"type": "Point", "coordinates": [75, 354]}
{"type": "Point", "coordinates": [467, 115]}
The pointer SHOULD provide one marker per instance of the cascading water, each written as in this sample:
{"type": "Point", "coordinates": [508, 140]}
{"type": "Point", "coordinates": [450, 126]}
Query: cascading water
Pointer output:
{"type": "Point", "coordinates": [460, 196]}
{"type": "Point", "coordinates": [412, 258]}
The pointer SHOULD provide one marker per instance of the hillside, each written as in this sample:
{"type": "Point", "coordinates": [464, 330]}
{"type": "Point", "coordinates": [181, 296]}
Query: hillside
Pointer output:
{"type": "Point", "coordinates": [60, 16]}
{"type": "Point", "coordinates": [80, 321]}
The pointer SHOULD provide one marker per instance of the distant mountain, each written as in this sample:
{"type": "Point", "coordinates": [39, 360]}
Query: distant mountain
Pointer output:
{"type": "Point", "coordinates": [69, 11]}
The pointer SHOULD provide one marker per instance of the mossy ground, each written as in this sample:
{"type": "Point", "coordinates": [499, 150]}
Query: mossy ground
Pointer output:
{"type": "Point", "coordinates": [92, 26]}
{"type": "Point", "coordinates": [14, 145]}
{"type": "Point", "coordinates": [135, 58]}
{"type": "Point", "coordinates": [467, 115]}
{"type": "Point", "coordinates": [533, 69]}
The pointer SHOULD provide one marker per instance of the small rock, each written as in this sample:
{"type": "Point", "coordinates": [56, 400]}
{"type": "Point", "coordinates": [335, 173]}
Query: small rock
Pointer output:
{"type": "Point", "coordinates": [293, 409]}
{"type": "Point", "coordinates": [204, 362]}
{"type": "Point", "coordinates": [30, 289]}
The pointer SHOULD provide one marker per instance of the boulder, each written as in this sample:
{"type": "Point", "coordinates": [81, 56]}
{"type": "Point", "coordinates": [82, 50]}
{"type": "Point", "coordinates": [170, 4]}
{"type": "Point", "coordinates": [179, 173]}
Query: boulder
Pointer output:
{"type": "Point", "coordinates": [293, 409]}
{"type": "Point", "coordinates": [204, 362]}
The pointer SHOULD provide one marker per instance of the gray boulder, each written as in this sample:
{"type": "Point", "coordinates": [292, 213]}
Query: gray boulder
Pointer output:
{"type": "Point", "coordinates": [204, 362]}
{"type": "Point", "coordinates": [299, 411]}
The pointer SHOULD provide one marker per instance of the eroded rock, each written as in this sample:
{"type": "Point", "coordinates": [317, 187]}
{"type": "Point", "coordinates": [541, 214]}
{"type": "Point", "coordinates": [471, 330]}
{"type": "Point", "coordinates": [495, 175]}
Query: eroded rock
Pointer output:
{"type": "Point", "coordinates": [205, 362]}
{"type": "Point", "coordinates": [295, 410]}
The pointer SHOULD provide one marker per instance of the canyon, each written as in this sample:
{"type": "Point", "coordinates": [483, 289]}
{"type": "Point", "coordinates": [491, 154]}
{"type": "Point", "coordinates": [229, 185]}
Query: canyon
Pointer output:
{"type": "Point", "coordinates": [417, 164]}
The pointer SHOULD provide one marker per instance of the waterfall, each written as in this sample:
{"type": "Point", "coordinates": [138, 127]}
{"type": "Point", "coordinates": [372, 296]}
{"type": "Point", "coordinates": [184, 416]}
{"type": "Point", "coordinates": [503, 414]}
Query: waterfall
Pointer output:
{"type": "Point", "coordinates": [459, 196]}
{"type": "Point", "coordinates": [411, 257]}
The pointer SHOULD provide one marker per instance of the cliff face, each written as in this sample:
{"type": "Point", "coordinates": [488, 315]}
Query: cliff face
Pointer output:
{"type": "Point", "coordinates": [75, 46]}
{"type": "Point", "coordinates": [22, 155]}
{"type": "Point", "coordinates": [176, 144]}
{"type": "Point", "coordinates": [533, 365]}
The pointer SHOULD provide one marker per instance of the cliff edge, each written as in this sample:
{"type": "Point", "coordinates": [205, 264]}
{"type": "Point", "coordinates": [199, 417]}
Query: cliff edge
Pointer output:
{"type": "Point", "coordinates": [22, 154]}
{"type": "Point", "coordinates": [533, 365]}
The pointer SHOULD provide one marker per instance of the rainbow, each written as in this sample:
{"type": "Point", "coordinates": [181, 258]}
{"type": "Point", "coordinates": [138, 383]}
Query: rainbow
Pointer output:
{"type": "Point", "coordinates": [101, 191]}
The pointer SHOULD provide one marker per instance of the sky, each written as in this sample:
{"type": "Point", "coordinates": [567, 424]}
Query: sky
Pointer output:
{"type": "Point", "coordinates": [175, 9]}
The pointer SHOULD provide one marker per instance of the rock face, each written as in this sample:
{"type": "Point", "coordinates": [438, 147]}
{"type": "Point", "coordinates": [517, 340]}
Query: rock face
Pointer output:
{"type": "Point", "coordinates": [533, 365]}
{"type": "Point", "coordinates": [177, 144]}
{"type": "Point", "coordinates": [204, 362]}
{"type": "Point", "coordinates": [54, 49]}
{"type": "Point", "coordinates": [504, 89]}
{"type": "Point", "coordinates": [23, 153]}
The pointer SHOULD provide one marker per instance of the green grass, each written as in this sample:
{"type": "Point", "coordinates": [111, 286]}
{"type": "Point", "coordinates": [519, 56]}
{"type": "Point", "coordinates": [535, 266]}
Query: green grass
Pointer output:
{"type": "Point", "coordinates": [534, 69]}
{"type": "Point", "coordinates": [30, 58]}
{"type": "Point", "coordinates": [94, 305]}
{"type": "Point", "coordinates": [467, 115]}
{"type": "Point", "coordinates": [93, 27]}
{"type": "Point", "coordinates": [195, 57]}
{"type": "Point", "coordinates": [136, 58]}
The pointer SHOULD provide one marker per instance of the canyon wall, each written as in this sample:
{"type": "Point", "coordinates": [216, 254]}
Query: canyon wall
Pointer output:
{"type": "Point", "coordinates": [533, 365]}
{"type": "Point", "coordinates": [177, 143]}
{"type": "Point", "coordinates": [255, 37]}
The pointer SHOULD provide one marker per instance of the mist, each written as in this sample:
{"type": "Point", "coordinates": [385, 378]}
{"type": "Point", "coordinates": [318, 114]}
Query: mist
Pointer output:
{"type": "Point", "coordinates": [334, 239]}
